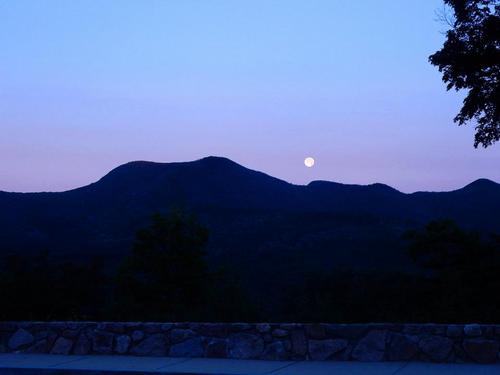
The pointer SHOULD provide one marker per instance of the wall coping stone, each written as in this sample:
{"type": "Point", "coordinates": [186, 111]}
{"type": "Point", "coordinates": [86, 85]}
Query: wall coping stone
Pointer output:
{"type": "Point", "coordinates": [446, 343]}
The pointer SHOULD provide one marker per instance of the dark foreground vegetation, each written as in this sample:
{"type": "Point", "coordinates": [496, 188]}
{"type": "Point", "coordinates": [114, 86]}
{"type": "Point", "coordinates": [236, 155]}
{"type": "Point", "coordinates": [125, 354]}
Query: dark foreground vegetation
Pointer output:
{"type": "Point", "coordinates": [166, 278]}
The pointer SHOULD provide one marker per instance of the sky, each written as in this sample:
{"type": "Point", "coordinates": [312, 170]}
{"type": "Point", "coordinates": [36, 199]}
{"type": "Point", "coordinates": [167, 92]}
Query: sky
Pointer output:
{"type": "Point", "coordinates": [88, 85]}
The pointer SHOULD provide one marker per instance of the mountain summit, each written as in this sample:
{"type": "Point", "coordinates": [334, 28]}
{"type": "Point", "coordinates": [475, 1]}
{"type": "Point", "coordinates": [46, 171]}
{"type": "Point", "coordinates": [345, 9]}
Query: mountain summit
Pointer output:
{"type": "Point", "coordinates": [251, 216]}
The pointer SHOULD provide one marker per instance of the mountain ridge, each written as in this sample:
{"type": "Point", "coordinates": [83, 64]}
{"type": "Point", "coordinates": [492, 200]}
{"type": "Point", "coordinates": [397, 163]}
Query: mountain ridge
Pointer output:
{"type": "Point", "coordinates": [223, 161]}
{"type": "Point", "coordinates": [253, 218]}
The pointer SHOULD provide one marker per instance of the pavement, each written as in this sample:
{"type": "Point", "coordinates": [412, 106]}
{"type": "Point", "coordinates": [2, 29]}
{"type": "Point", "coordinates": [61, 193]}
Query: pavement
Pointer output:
{"type": "Point", "coordinates": [49, 364]}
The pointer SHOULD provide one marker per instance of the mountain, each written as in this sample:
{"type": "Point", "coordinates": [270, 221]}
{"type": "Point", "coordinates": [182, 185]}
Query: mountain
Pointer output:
{"type": "Point", "coordinates": [254, 219]}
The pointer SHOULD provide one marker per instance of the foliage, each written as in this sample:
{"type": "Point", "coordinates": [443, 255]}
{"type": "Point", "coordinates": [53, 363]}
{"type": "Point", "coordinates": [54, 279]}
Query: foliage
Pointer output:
{"type": "Point", "coordinates": [166, 278]}
{"type": "Point", "coordinates": [34, 287]}
{"type": "Point", "coordinates": [470, 60]}
{"type": "Point", "coordinates": [166, 275]}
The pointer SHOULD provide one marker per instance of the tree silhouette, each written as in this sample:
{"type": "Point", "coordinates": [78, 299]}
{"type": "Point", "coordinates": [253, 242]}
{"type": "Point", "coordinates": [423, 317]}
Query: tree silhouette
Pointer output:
{"type": "Point", "coordinates": [470, 60]}
{"type": "Point", "coordinates": [166, 275]}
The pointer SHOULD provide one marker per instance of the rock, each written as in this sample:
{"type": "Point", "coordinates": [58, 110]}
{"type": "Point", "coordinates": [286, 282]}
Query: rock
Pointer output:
{"type": "Point", "coordinates": [137, 335]}
{"type": "Point", "coordinates": [345, 331]}
{"type": "Point", "coordinates": [267, 338]}
{"type": "Point", "coordinates": [299, 342]}
{"type": "Point", "coordinates": [245, 346]}
{"type": "Point", "coordinates": [179, 335]}
{"type": "Point", "coordinates": [189, 348]}
{"type": "Point", "coordinates": [21, 338]}
{"type": "Point", "coordinates": [482, 351]}
{"type": "Point", "coordinates": [436, 347]}
{"type": "Point", "coordinates": [40, 347]}
{"type": "Point", "coordinates": [280, 332]}
{"type": "Point", "coordinates": [315, 331]}
{"type": "Point", "coordinates": [62, 346]}
{"type": "Point", "coordinates": [152, 327]}
{"type": "Point", "coordinates": [154, 345]}
{"type": "Point", "coordinates": [290, 326]}
{"type": "Point", "coordinates": [122, 344]}
{"type": "Point", "coordinates": [402, 347]}
{"type": "Point", "coordinates": [49, 335]}
{"type": "Point", "coordinates": [263, 327]}
{"type": "Point", "coordinates": [433, 329]}
{"type": "Point", "coordinates": [320, 350]}
{"type": "Point", "coordinates": [275, 352]}
{"type": "Point", "coordinates": [472, 330]}
{"type": "Point", "coordinates": [216, 348]}
{"type": "Point", "coordinates": [454, 330]}
{"type": "Point", "coordinates": [371, 348]}
{"type": "Point", "coordinates": [82, 345]}
{"type": "Point", "coordinates": [212, 329]}
{"type": "Point", "coordinates": [166, 327]}
{"type": "Point", "coordinates": [70, 333]}
{"type": "Point", "coordinates": [238, 327]}
{"type": "Point", "coordinates": [102, 342]}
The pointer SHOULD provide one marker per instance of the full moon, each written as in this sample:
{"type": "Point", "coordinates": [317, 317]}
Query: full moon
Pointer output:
{"type": "Point", "coordinates": [309, 162]}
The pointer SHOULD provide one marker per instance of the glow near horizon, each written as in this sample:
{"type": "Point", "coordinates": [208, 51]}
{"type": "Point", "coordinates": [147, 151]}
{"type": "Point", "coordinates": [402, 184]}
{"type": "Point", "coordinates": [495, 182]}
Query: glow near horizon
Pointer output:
{"type": "Point", "coordinates": [86, 86]}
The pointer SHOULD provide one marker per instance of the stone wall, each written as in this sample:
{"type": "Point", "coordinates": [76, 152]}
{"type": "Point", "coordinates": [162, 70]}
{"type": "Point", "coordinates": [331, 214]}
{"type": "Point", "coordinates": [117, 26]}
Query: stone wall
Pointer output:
{"type": "Point", "coordinates": [318, 342]}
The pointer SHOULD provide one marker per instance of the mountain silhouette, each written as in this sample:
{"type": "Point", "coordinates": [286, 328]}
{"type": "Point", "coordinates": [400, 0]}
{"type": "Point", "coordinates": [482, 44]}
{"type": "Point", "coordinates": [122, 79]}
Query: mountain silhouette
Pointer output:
{"type": "Point", "coordinates": [253, 218]}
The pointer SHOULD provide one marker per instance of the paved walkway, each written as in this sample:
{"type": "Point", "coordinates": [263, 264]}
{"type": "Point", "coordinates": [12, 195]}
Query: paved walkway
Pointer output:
{"type": "Point", "coordinates": [45, 364]}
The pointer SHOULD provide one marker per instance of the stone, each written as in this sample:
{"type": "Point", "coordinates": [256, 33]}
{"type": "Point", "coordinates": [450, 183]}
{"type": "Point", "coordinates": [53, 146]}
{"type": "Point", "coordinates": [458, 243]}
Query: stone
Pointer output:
{"type": "Point", "coordinates": [263, 327]}
{"type": "Point", "coordinates": [49, 335]}
{"type": "Point", "coordinates": [290, 326]}
{"type": "Point", "coordinates": [267, 338]}
{"type": "Point", "coordinates": [216, 348]}
{"type": "Point", "coordinates": [122, 344]}
{"type": "Point", "coordinates": [472, 330]}
{"type": "Point", "coordinates": [245, 346]}
{"type": "Point", "coordinates": [70, 333]}
{"type": "Point", "coordinates": [137, 335]}
{"type": "Point", "coordinates": [152, 327]}
{"type": "Point", "coordinates": [190, 348]}
{"type": "Point", "coordinates": [315, 331]}
{"type": "Point", "coordinates": [482, 351]}
{"type": "Point", "coordinates": [21, 338]}
{"type": "Point", "coordinates": [82, 345]}
{"type": "Point", "coordinates": [212, 329]}
{"type": "Point", "coordinates": [154, 345]}
{"type": "Point", "coordinates": [437, 348]}
{"type": "Point", "coordinates": [102, 342]}
{"type": "Point", "coordinates": [275, 351]}
{"type": "Point", "coordinates": [371, 348]}
{"type": "Point", "coordinates": [402, 347]}
{"type": "Point", "coordinates": [179, 335]}
{"type": "Point", "coordinates": [412, 329]}
{"type": "Point", "coordinates": [280, 332]}
{"type": "Point", "coordinates": [166, 327]}
{"type": "Point", "coordinates": [40, 347]}
{"type": "Point", "coordinates": [320, 350]}
{"type": "Point", "coordinates": [238, 327]}
{"type": "Point", "coordinates": [454, 330]}
{"type": "Point", "coordinates": [299, 342]}
{"type": "Point", "coordinates": [433, 329]}
{"type": "Point", "coordinates": [345, 331]}
{"type": "Point", "coordinates": [62, 346]}
{"type": "Point", "coordinates": [116, 327]}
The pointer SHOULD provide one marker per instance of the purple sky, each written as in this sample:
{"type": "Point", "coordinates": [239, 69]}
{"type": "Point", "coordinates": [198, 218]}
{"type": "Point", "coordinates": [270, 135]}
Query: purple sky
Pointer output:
{"type": "Point", "coordinates": [86, 86]}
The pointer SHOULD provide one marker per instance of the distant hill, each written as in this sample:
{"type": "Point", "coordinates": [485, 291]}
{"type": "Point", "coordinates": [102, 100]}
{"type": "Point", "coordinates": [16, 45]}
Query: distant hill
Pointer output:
{"type": "Point", "coordinates": [256, 222]}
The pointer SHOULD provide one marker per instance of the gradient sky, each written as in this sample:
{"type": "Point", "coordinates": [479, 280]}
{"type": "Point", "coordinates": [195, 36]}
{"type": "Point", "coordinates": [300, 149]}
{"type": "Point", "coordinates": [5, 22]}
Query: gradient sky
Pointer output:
{"type": "Point", "coordinates": [88, 85]}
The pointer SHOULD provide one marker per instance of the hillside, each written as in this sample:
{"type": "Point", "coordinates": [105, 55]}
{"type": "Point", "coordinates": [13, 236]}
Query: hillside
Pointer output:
{"type": "Point", "coordinates": [252, 217]}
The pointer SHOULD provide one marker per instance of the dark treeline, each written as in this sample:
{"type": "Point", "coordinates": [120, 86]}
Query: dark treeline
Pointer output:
{"type": "Point", "coordinates": [166, 278]}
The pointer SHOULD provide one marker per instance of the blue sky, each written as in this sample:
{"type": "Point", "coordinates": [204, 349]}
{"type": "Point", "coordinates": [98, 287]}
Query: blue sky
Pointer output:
{"type": "Point", "coordinates": [88, 85]}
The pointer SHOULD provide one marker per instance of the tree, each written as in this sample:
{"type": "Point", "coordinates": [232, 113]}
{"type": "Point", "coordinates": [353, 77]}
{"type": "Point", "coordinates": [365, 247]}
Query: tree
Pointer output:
{"type": "Point", "coordinates": [166, 275]}
{"type": "Point", "coordinates": [470, 60]}
{"type": "Point", "coordinates": [443, 244]}
{"type": "Point", "coordinates": [465, 271]}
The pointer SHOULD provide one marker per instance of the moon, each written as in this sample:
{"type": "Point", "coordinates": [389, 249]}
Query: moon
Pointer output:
{"type": "Point", "coordinates": [309, 162]}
